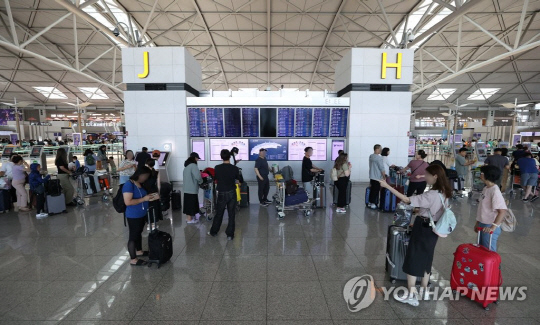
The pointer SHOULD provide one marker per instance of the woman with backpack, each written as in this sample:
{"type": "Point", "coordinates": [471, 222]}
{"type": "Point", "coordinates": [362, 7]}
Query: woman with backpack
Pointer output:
{"type": "Point", "coordinates": [421, 248]}
{"type": "Point", "coordinates": [417, 180]}
{"type": "Point", "coordinates": [90, 161]}
{"type": "Point", "coordinates": [341, 173]}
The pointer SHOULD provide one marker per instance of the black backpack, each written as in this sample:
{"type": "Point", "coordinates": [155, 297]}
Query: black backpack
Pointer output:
{"type": "Point", "coordinates": [118, 200]}
{"type": "Point", "coordinates": [53, 187]}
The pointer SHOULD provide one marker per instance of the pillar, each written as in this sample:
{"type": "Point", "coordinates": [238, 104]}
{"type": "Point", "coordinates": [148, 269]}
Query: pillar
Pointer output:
{"type": "Point", "coordinates": [378, 83]}
{"type": "Point", "coordinates": [155, 100]}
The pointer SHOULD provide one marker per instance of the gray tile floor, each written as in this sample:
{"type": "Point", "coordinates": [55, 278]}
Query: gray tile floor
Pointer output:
{"type": "Point", "coordinates": [73, 269]}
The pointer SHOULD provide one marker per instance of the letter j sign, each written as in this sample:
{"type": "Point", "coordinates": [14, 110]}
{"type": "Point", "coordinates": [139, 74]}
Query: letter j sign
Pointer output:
{"type": "Point", "coordinates": [145, 63]}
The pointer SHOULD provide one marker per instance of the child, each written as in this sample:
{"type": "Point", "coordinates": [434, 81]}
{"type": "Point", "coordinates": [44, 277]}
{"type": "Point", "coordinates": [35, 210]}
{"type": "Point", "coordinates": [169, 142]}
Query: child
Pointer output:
{"type": "Point", "coordinates": [36, 181]}
{"type": "Point", "coordinates": [113, 165]}
{"type": "Point", "coordinates": [491, 207]}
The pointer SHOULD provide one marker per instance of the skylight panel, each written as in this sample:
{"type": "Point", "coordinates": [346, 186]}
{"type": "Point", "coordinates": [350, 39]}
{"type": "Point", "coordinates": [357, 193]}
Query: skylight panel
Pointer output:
{"type": "Point", "coordinates": [51, 92]}
{"type": "Point", "coordinates": [93, 93]}
{"type": "Point", "coordinates": [483, 93]}
{"type": "Point", "coordinates": [441, 94]}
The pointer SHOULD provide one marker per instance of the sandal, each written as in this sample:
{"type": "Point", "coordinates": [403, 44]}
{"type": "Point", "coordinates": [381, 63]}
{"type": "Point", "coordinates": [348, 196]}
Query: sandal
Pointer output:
{"type": "Point", "coordinates": [144, 253]}
{"type": "Point", "coordinates": [139, 263]}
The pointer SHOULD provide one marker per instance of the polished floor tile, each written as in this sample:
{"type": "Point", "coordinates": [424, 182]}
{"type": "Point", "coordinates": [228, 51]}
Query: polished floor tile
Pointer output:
{"type": "Point", "coordinates": [73, 269]}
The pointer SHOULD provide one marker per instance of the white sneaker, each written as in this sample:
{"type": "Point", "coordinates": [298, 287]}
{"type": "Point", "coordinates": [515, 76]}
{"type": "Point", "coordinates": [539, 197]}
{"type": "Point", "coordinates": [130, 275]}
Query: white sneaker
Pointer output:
{"type": "Point", "coordinates": [341, 211]}
{"type": "Point", "coordinates": [408, 299]}
{"type": "Point", "coordinates": [373, 206]}
{"type": "Point", "coordinates": [41, 215]}
{"type": "Point", "coordinates": [192, 221]}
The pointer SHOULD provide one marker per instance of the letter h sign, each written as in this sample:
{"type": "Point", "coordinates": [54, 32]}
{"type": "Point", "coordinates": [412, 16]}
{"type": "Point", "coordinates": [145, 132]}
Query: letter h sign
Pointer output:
{"type": "Point", "coordinates": [386, 65]}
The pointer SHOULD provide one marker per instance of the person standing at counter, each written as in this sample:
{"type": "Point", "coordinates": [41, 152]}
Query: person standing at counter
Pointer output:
{"type": "Point", "coordinates": [262, 170]}
{"type": "Point", "coordinates": [20, 168]}
{"type": "Point", "coordinates": [192, 180]}
{"type": "Point", "coordinates": [308, 170]}
{"type": "Point", "coordinates": [142, 157]}
{"type": "Point", "coordinates": [61, 163]}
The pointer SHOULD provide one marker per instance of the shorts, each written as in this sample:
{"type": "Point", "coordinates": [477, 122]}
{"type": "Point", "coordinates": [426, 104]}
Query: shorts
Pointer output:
{"type": "Point", "coordinates": [529, 179]}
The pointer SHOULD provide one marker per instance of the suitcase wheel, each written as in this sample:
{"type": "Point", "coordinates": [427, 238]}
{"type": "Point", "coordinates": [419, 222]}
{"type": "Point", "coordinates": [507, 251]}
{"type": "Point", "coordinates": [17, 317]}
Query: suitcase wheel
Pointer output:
{"type": "Point", "coordinates": [307, 213]}
{"type": "Point", "coordinates": [393, 281]}
{"type": "Point", "coordinates": [487, 308]}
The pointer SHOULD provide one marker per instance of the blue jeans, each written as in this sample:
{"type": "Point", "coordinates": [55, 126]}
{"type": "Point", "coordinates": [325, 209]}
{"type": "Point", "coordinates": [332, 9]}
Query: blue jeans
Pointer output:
{"type": "Point", "coordinates": [123, 179]}
{"type": "Point", "coordinates": [484, 237]}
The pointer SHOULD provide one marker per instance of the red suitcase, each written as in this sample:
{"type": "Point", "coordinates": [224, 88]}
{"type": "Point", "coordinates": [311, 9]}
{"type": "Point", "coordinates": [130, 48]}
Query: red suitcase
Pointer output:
{"type": "Point", "coordinates": [476, 273]}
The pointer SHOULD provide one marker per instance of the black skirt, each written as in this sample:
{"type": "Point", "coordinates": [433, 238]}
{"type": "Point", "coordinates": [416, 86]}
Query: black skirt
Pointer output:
{"type": "Point", "coordinates": [191, 204]}
{"type": "Point", "coordinates": [421, 249]}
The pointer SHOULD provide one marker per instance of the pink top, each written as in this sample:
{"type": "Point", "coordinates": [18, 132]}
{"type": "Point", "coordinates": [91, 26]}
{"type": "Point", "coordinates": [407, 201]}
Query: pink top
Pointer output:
{"type": "Point", "coordinates": [417, 167]}
{"type": "Point", "coordinates": [490, 201]}
{"type": "Point", "coordinates": [430, 201]}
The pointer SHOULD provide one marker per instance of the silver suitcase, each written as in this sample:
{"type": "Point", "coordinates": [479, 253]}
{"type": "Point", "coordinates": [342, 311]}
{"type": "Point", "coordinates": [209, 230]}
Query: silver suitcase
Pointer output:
{"type": "Point", "coordinates": [56, 204]}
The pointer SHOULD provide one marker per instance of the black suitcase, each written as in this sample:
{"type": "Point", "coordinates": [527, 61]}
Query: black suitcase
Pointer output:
{"type": "Point", "coordinates": [335, 193]}
{"type": "Point", "coordinates": [165, 196]}
{"type": "Point", "coordinates": [176, 200]}
{"type": "Point", "coordinates": [5, 201]}
{"type": "Point", "coordinates": [160, 245]}
{"type": "Point", "coordinates": [244, 195]}
{"type": "Point", "coordinates": [53, 187]}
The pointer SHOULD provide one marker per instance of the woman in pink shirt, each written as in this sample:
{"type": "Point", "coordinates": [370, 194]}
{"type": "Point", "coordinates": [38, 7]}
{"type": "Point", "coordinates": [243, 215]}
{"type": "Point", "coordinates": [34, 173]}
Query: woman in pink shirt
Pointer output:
{"type": "Point", "coordinates": [417, 180]}
{"type": "Point", "coordinates": [20, 168]}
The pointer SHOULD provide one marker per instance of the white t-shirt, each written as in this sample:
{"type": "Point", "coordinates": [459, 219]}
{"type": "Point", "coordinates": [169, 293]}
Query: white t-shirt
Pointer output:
{"type": "Point", "coordinates": [387, 165]}
{"type": "Point", "coordinates": [7, 168]}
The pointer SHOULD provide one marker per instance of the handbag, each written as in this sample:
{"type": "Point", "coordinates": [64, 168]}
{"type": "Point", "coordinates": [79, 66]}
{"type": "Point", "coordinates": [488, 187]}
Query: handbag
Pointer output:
{"type": "Point", "coordinates": [5, 183]}
{"type": "Point", "coordinates": [446, 224]}
{"type": "Point", "coordinates": [509, 222]}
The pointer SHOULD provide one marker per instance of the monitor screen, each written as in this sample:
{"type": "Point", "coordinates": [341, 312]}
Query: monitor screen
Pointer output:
{"type": "Point", "coordinates": [199, 147]}
{"type": "Point", "coordinates": [197, 122]}
{"type": "Point", "coordinates": [285, 122]}
{"type": "Point", "coordinates": [162, 160]}
{"type": "Point", "coordinates": [304, 118]}
{"type": "Point", "coordinates": [36, 151]}
{"type": "Point", "coordinates": [233, 122]}
{"type": "Point", "coordinates": [339, 122]}
{"type": "Point", "coordinates": [250, 121]}
{"type": "Point", "coordinates": [214, 120]}
{"type": "Point", "coordinates": [297, 146]}
{"type": "Point", "coordinates": [337, 145]}
{"type": "Point", "coordinates": [268, 121]}
{"type": "Point", "coordinates": [216, 145]}
{"type": "Point", "coordinates": [321, 122]}
{"type": "Point", "coordinates": [7, 151]}
{"type": "Point", "coordinates": [276, 149]}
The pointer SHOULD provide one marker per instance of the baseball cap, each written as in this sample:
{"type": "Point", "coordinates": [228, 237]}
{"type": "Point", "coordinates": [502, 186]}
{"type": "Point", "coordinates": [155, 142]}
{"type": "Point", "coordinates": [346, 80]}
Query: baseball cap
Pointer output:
{"type": "Point", "coordinates": [262, 149]}
{"type": "Point", "coordinates": [194, 155]}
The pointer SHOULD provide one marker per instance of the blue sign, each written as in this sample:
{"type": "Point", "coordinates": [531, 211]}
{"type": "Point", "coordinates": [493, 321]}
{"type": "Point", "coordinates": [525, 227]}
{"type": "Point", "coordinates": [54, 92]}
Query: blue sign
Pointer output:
{"type": "Point", "coordinates": [304, 117]}
{"type": "Point", "coordinates": [286, 122]}
{"type": "Point", "coordinates": [276, 149]}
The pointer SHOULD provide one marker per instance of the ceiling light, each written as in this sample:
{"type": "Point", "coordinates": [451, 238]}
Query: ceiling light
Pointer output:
{"type": "Point", "coordinates": [483, 93]}
{"type": "Point", "coordinates": [93, 93]}
{"type": "Point", "coordinates": [441, 94]}
{"type": "Point", "coordinates": [51, 92]}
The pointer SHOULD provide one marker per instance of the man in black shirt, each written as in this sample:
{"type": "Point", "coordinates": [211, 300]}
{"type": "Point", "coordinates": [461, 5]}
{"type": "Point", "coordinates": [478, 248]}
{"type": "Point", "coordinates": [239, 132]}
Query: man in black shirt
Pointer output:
{"type": "Point", "coordinates": [227, 176]}
{"type": "Point", "coordinates": [262, 171]}
{"type": "Point", "coordinates": [142, 157]}
{"type": "Point", "coordinates": [308, 169]}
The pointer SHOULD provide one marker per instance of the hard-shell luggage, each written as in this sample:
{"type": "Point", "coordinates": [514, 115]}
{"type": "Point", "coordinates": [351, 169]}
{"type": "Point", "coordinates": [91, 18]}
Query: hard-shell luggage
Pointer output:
{"type": "Point", "coordinates": [176, 200]}
{"type": "Point", "coordinates": [165, 196]}
{"type": "Point", "coordinates": [160, 245]}
{"type": "Point", "coordinates": [244, 195]}
{"type": "Point", "coordinates": [298, 198]}
{"type": "Point", "coordinates": [5, 201]}
{"type": "Point", "coordinates": [388, 201]}
{"type": "Point", "coordinates": [55, 204]}
{"type": "Point", "coordinates": [335, 193]}
{"type": "Point", "coordinates": [396, 249]}
{"type": "Point", "coordinates": [319, 196]}
{"type": "Point", "coordinates": [457, 183]}
{"type": "Point", "coordinates": [368, 190]}
{"type": "Point", "coordinates": [476, 272]}
{"type": "Point", "coordinates": [90, 184]}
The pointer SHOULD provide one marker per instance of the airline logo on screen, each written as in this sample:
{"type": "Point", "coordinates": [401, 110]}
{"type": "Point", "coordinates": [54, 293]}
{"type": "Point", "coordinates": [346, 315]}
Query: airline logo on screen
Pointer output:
{"type": "Point", "coordinates": [385, 65]}
{"type": "Point", "coordinates": [144, 74]}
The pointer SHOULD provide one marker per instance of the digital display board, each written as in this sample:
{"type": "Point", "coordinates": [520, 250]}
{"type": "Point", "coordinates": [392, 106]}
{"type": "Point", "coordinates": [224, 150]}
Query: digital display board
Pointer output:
{"type": "Point", "coordinates": [36, 151]}
{"type": "Point", "coordinates": [285, 122]}
{"type": "Point", "coordinates": [321, 122]}
{"type": "Point", "coordinates": [268, 122]}
{"type": "Point", "coordinates": [216, 145]}
{"type": "Point", "coordinates": [412, 147]}
{"type": "Point", "coordinates": [250, 121]}
{"type": "Point", "coordinates": [214, 121]}
{"type": "Point", "coordinates": [337, 145]}
{"type": "Point", "coordinates": [199, 147]}
{"type": "Point", "coordinates": [233, 122]}
{"type": "Point", "coordinates": [297, 146]}
{"type": "Point", "coordinates": [304, 118]}
{"type": "Point", "coordinates": [276, 149]}
{"type": "Point", "coordinates": [339, 122]}
{"type": "Point", "coordinates": [7, 151]}
{"type": "Point", "coordinates": [197, 122]}
{"type": "Point", "coordinates": [162, 160]}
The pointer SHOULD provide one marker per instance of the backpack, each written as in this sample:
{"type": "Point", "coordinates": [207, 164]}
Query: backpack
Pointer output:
{"type": "Point", "coordinates": [446, 224]}
{"type": "Point", "coordinates": [509, 222]}
{"type": "Point", "coordinates": [118, 200]}
{"type": "Point", "coordinates": [287, 173]}
{"type": "Point", "coordinates": [291, 187]}
{"type": "Point", "coordinates": [90, 160]}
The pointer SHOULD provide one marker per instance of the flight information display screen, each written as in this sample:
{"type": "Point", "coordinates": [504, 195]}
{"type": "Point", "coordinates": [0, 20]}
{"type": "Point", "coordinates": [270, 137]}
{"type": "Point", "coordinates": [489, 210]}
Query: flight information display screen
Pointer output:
{"type": "Point", "coordinates": [339, 122]}
{"type": "Point", "coordinates": [285, 122]}
{"type": "Point", "coordinates": [197, 122]}
{"type": "Point", "coordinates": [304, 117]}
{"type": "Point", "coordinates": [233, 122]}
{"type": "Point", "coordinates": [297, 146]}
{"type": "Point", "coordinates": [216, 145]}
{"type": "Point", "coordinates": [276, 149]}
{"type": "Point", "coordinates": [214, 117]}
{"type": "Point", "coordinates": [250, 121]}
{"type": "Point", "coordinates": [198, 146]}
{"type": "Point", "coordinates": [321, 122]}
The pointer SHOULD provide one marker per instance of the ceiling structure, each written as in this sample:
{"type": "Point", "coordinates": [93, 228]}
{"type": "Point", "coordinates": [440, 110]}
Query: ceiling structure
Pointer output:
{"type": "Point", "coordinates": [479, 51]}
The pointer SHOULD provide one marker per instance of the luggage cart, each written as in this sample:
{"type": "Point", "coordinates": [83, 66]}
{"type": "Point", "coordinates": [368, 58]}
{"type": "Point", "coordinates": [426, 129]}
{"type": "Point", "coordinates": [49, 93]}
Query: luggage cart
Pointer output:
{"type": "Point", "coordinates": [209, 197]}
{"type": "Point", "coordinates": [515, 178]}
{"type": "Point", "coordinates": [305, 207]}
{"type": "Point", "coordinates": [104, 185]}
{"type": "Point", "coordinates": [477, 184]}
{"type": "Point", "coordinates": [78, 176]}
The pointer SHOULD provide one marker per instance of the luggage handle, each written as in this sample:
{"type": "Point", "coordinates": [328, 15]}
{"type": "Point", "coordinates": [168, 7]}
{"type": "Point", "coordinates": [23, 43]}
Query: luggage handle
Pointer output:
{"type": "Point", "coordinates": [480, 230]}
{"type": "Point", "coordinates": [389, 261]}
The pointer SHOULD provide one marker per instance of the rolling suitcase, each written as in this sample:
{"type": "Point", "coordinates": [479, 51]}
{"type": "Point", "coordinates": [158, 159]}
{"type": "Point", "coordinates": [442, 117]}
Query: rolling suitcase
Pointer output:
{"type": "Point", "coordinates": [396, 249]}
{"type": "Point", "coordinates": [476, 272]}
{"type": "Point", "coordinates": [244, 195]}
{"type": "Point", "coordinates": [298, 198]}
{"type": "Point", "coordinates": [89, 184]}
{"type": "Point", "coordinates": [176, 200]}
{"type": "Point", "coordinates": [368, 191]}
{"type": "Point", "coordinates": [55, 204]}
{"type": "Point", "coordinates": [388, 201]}
{"type": "Point", "coordinates": [319, 195]}
{"type": "Point", "coordinates": [165, 196]}
{"type": "Point", "coordinates": [335, 193]}
{"type": "Point", "coordinates": [5, 201]}
{"type": "Point", "coordinates": [160, 245]}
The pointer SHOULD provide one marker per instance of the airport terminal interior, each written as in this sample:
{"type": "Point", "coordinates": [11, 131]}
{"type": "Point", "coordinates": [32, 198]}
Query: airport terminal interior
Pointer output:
{"type": "Point", "coordinates": [269, 162]}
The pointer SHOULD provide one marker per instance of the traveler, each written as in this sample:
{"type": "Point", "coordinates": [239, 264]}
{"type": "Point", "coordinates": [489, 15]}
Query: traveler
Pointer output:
{"type": "Point", "coordinates": [19, 170]}
{"type": "Point", "coordinates": [518, 153]}
{"type": "Point", "coordinates": [64, 174]}
{"type": "Point", "coordinates": [234, 153]}
{"type": "Point", "coordinates": [192, 180]}
{"type": "Point", "coordinates": [491, 207]}
{"type": "Point", "coordinates": [376, 173]}
{"type": "Point", "coordinates": [308, 170]}
{"type": "Point", "coordinates": [421, 248]}
{"type": "Point", "coordinates": [76, 162]}
{"type": "Point", "coordinates": [112, 164]}
{"type": "Point", "coordinates": [7, 171]}
{"type": "Point", "coordinates": [343, 168]}
{"type": "Point", "coordinates": [506, 172]}
{"type": "Point", "coordinates": [102, 158]}
{"type": "Point", "coordinates": [261, 171]}
{"type": "Point", "coordinates": [152, 185]}
{"type": "Point", "coordinates": [339, 154]}
{"type": "Point", "coordinates": [498, 161]}
{"type": "Point", "coordinates": [462, 165]}
{"type": "Point", "coordinates": [37, 182]}
{"type": "Point", "coordinates": [227, 176]}
{"type": "Point", "coordinates": [90, 160]}
{"type": "Point", "coordinates": [386, 161]}
{"type": "Point", "coordinates": [127, 167]}
{"type": "Point", "coordinates": [137, 202]}
{"type": "Point", "coordinates": [142, 157]}
{"type": "Point", "coordinates": [417, 180]}
{"type": "Point", "coordinates": [529, 176]}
